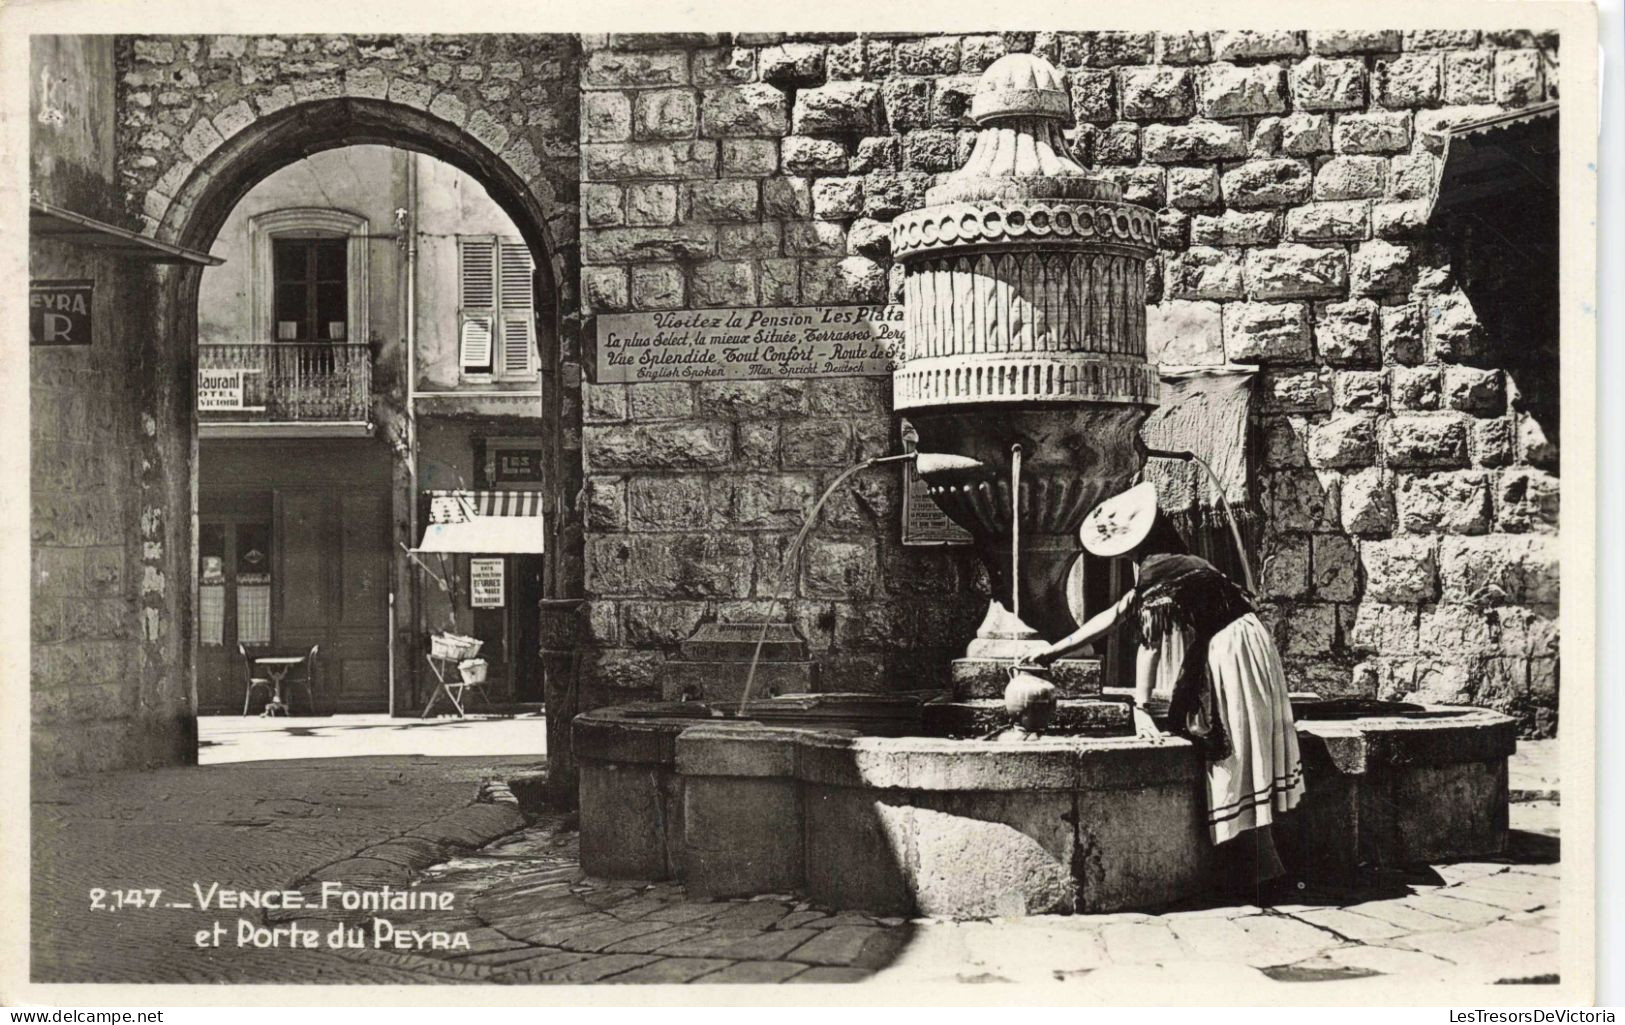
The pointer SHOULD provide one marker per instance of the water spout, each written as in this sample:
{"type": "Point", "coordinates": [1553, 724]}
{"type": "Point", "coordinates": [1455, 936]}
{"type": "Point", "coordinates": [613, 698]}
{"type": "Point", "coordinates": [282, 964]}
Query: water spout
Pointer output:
{"type": "Point", "coordinates": [925, 463]}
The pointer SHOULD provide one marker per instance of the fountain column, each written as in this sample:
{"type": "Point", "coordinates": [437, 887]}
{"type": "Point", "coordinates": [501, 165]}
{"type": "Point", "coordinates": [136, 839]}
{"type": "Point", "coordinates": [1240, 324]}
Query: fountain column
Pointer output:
{"type": "Point", "coordinates": [1025, 295]}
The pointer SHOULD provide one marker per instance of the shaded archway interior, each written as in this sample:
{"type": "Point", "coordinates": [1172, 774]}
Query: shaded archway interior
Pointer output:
{"type": "Point", "coordinates": [277, 140]}
{"type": "Point", "coordinates": [225, 176]}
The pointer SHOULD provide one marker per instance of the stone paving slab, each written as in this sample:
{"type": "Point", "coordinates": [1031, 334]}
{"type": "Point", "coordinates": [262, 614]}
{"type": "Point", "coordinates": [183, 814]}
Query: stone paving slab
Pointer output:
{"type": "Point", "coordinates": [531, 916]}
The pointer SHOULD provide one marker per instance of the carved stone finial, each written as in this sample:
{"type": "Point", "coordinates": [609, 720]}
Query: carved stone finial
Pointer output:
{"type": "Point", "coordinates": [1020, 85]}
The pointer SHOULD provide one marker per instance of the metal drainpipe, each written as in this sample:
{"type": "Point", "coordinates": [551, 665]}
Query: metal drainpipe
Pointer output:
{"type": "Point", "coordinates": [411, 334]}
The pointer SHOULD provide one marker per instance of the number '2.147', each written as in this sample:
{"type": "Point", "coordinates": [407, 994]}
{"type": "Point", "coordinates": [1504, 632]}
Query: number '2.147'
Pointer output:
{"type": "Point", "coordinates": [113, 900]}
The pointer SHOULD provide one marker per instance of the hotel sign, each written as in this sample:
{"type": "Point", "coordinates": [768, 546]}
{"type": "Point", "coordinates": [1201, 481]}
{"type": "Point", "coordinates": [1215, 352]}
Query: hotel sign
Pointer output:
{"type": "Point", "coordinates": [219, 389]}
{"type": "Point", "coordinates": [756, 343]}
{"type": "Point", "coordinates": [59, 312]}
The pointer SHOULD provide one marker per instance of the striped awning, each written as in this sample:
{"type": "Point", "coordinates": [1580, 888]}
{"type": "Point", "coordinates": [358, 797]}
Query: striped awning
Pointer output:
{"type": "Point", "coordinates": [484, 523]}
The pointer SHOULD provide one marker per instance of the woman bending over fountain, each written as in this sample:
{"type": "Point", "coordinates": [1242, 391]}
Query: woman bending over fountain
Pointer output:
{"type": "Point", "coordinates": [1197, 632]}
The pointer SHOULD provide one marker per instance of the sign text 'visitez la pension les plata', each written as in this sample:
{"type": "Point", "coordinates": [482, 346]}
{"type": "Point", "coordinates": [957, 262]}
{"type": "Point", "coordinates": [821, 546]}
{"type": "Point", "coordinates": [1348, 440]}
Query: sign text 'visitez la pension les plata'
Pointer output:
{"type": "Point", "coordinates": [753, 343]}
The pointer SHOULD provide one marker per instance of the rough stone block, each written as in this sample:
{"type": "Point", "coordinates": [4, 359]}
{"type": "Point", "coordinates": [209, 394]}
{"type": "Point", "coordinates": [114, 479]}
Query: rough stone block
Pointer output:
{"type": "Point", "coordinates": [1366, 503]}
{"type": "Point", "coordinates": [620, 161]}
{"type": "Point", "coordinates": [650, 204]}
{"type": "Point", "coordinates": [1204, 273]}
{"type": "Point", "coordinates": [1269, 183]}
{"type": "Point", "coordinates": [1402, 334]}
{"type": "Point", "coordinates": [1480, 392]}
{"type": "Point", "coordinates": [1229, 90]}
{"type": "Point", "coordinates": [854, 279]}
{"type": "Point", "coordinates": [1527, 500]}
{"type": "Point", "coordinates": [1193, 187]}
{"type": "Point", "coordinates": [1374, 132]}
{"type": "Point", "coordinates": [838, 108]}
{"type": "Point", "coordinates": [756, 109]}
{"type": "Point", "coordinates": [1381, 267]}
{"type": "Point", "coordinates": [1296, 271]}
{"type": "Point", "coordinates": [724, 200]}
{"type": "Point", "coordinates": [1155, 92]}
{"type": "Point", "coordinates": [1284, 569]}
{"type": "Point", "coordinates": [732, 65]}
{"type": "Point", "coordinates": [663, 113]}
{"type": "Point", "coordinates": [1499, 568]}
{"type": "Point", "coordinates": [837, 199]}
{"type": "Point", "coordinates": [1346, 333]}
{"type": "Point", "coordinates": [1426, 440]}
{"type": "Point", "coordinates": [1520, 77]}
{"type": "Point", "coordinates": [1305, 135]}
{"type": "Point", "coordinates": [1321, 222]}
{"type": "Point", "coordinates": [722, 284]}
{"type": "Point", "coordinates": [1444, 503]}
{"type": "Point", "coordinates": [1236, 228]}
{"type": "Point", "coordinates": [1417, 387]}
{"type": "Point", "coordinates": [1402, 570]}
{"type": "Point", "coordinates": [1469, 77]}
{"type": "Point", "coordinates": [1359, 389]}
{"type": "Point", "coordinates": [612, 69]}
{"type": "Point", "coordinates": [606, 117]}
{"type": "Point", "coordinates": [657, 287]}
{"type": "Point", "coordinates": [1354, 41]}
{"type": "Point", "coordinates": [1409, 80]}
{"type": "Point", "coordinates": [1256, 45]}
{"type": "Point", "coordinates": [1454, 333]}
{"type": "Point", "coordinates": [1180, 333]}
{"type": "Point", "coordinates": [1322, 84]}
{"type": "Point", "coordinates": [1343, 441]}
{"type": "Point", "coordinates": [1183, 48]}
{"type": "Point", "coordinates": [1194, 140]}
{"type": "Point", "coordinates": [1266, 332]}
{"type": "Point", "coordinates": [792, 64]}
{"type": "Point", "coordinates": [808, 156]}
{"type": "Point", "coordinates": [1354, 177]}
{"type": "Point", "coordinates": [668, 446]}
{"type": "Point", "coordinates": [1303, 500]}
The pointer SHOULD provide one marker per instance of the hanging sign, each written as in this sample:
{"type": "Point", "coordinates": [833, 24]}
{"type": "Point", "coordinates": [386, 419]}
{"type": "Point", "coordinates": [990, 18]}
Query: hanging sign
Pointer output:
{"type": "Point", "coordinates": [59, 312]}
{"type": "Point", "coordinates": [486, 580]}
{"type": "Point", "coordinates": [753, 343]}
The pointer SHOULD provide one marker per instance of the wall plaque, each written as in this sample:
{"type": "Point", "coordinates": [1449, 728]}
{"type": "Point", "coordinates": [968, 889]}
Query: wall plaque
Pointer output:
{"type": "Point", "coordinates": [59, 312]}
{"type": "Point", "coordinates": [757, 343]}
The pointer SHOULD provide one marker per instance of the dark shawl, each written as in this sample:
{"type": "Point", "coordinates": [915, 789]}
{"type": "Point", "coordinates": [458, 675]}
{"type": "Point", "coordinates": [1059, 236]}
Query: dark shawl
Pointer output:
{"type": "Point", "coordinates": [1185, 592]}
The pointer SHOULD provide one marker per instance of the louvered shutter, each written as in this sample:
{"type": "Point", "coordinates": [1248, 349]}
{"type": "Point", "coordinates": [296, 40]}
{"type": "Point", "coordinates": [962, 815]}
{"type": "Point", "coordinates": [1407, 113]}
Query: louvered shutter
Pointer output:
{"type": "Point", "coordinates": [517, 358]}
{"type": "Point", "coordinates": [477, 306]}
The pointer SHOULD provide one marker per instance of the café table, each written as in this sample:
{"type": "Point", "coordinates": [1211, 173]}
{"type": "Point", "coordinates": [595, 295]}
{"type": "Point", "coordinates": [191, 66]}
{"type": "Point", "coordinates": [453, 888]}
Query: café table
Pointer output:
{"type": "Point", "coordinates": [277, 668]}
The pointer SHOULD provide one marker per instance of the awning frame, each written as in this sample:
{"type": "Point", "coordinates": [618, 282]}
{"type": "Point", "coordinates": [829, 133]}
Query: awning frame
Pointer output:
{"type": "Point", "coordinates": [57, 223]}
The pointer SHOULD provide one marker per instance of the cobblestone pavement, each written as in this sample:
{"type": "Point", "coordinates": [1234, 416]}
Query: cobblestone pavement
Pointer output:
{"type": "Point", "coordinates": [254, 826]}
{"type": "Point", "coordinates": [531, 916]}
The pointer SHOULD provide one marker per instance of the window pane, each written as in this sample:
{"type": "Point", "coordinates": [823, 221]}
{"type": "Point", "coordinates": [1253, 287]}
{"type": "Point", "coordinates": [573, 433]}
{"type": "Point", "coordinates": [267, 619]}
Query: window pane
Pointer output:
{"type": "Point", "coordinates": [290, 312]}
{"type": "Point", "coordinates": [289, 261]}
{"type": "Point", "coordinates": [331, 262]}
{"type": "Point", "coordinates": [254, 553]}
{"type": "Point", "coordinates": [331, 311]}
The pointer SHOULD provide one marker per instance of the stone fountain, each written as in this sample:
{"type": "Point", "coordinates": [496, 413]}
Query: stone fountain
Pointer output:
{"type": "Point", "coordinates": [1025, 296]}
{"type": "Point", "coordinates": [1026, 361]}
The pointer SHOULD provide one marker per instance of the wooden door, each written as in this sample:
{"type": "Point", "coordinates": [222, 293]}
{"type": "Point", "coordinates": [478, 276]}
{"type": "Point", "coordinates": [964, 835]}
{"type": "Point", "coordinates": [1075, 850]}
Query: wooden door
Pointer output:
{"type": "Point", "coordinates": [335, 591]}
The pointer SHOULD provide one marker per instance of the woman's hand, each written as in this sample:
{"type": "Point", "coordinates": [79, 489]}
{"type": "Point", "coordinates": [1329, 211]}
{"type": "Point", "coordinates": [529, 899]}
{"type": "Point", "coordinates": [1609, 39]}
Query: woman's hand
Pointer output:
{"type": "Point", "coordinates": [1145, 728]}
{"type": "Point", "coordinates": [1045, 657]}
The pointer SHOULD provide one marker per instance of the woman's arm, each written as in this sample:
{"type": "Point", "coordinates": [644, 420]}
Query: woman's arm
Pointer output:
{"type": "Point", "coordinates": [1097, 625]}
{"type": "Point", "coordinates": [1145, 673]}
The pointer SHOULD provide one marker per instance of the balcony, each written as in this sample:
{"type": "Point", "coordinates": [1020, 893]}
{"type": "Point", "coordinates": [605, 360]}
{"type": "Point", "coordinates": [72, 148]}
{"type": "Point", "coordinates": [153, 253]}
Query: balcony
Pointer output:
{"type": "Point", "coordinates": [284, 388]}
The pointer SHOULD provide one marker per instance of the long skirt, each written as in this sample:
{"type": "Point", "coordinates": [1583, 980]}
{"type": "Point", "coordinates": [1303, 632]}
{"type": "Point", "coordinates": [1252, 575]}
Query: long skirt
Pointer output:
{"type": "Point", "coordinates": [1262, 777]}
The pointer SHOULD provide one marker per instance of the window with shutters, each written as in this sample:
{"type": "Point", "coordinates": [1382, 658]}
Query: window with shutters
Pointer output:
{"type": "Point", "coordinates": [494, 308]}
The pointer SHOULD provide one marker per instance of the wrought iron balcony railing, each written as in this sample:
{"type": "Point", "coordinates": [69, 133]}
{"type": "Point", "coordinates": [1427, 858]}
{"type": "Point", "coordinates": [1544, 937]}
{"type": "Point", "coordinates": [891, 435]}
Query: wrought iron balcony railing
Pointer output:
{"type": "Point", "coordinates": [276, 382]}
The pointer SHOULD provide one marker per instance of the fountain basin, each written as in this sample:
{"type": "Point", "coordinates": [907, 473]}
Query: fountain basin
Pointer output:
{"type": "Point", "coordinates": [958, 828]}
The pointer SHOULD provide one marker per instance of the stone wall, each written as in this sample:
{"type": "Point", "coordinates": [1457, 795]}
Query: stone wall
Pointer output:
{"type": "Point", "coordinates": [111, 467]}
{"type": "Point", "coordinates": [1409, 509]}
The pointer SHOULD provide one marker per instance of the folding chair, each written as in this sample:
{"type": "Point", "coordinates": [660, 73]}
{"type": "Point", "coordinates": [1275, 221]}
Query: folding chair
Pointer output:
{"type": "Point", "coordinates": [252, 680]}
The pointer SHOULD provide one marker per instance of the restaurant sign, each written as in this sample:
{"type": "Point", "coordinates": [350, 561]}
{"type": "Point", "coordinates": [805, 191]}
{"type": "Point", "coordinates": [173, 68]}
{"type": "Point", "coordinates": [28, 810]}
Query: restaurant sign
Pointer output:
{"type": "Point", "coordinates": [59, 312]}
{"type": "Point", "coordinates": [755, 343]}
{"type": "Point", "coordinates": [220, 389]}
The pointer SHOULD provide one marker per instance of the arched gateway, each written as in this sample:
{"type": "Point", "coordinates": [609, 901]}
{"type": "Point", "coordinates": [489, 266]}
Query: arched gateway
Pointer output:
{"type": "Point", "coordinates": [475, 120]}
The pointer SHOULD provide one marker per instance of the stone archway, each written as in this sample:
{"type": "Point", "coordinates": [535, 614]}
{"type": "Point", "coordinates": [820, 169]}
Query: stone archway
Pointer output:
{"type": "Point", "coordinates": [207, 188]}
